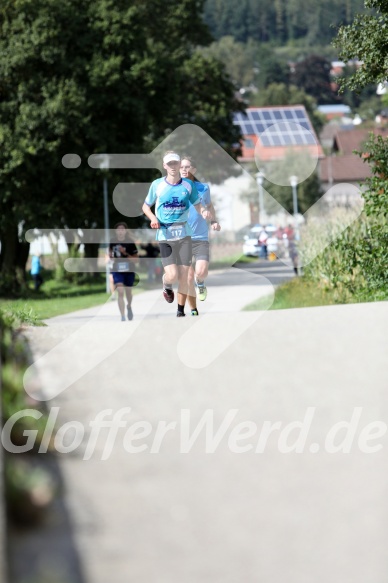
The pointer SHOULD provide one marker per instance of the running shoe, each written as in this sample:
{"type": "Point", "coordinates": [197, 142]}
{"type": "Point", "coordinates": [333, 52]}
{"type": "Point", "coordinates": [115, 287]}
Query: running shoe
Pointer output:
{"type": "Point", "coordinates": [168, 295]}
{"type": "Point", "coordinates": [201, 291]}
{"type": "Point", "coordinates": [180, 314]}
{"type": "Point", "coordinates": [123, 318]}
{"type": "Point", "coordinates": [194, 312]}
{"type": "Point", "coordinates": [129, 313]}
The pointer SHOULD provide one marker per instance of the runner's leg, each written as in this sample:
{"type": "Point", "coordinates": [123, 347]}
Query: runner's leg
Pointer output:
{"type": "Point", "coordinates": [184, 262]}
{"type": "Point", "coordinates": [128, 293]}
{"type": "Point", "coordinates": [191, 296]}
{"type": "Point", "coordinates": [201, 267]}
{"type": "Point", "coordinates": [183, 271]}
{"type": "Point", "coordinates": [120, 299]}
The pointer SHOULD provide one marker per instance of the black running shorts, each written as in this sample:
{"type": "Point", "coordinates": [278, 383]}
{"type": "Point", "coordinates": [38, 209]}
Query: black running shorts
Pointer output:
{"type": "Point", "coordinates": [177, 252]}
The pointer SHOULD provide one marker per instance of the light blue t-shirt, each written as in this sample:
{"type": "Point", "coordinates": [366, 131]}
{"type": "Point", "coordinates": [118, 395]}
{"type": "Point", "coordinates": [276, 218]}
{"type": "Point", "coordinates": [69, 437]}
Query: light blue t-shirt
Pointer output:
{"type": "Point", "coordinates": [196, 221]}
{"type": "Point", "coordinates": [35, 265]}
{"type": "Point", "coordinates": [172, 203]}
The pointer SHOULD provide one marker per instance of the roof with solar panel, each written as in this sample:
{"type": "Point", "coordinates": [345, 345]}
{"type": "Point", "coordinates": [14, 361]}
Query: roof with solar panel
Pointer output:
{"type": "Point", "coordinates": [271, 131]}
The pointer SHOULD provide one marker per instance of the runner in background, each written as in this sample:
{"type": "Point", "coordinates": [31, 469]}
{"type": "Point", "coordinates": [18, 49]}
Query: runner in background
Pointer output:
{"type": "Point", "coordinates": [123, 256]}
{"type": "Point", "coordinates": [199, 237]}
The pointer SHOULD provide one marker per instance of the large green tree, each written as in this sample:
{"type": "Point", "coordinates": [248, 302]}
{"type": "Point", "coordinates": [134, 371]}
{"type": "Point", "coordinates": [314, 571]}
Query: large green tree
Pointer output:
{"type": "Point", "coordinates": [95, 76]}
{"type": "Point", "coordinates": [364, 250]}
{"type": "Point", "coordinates": [313, 76]}
{"type": "Point", "coordinates": [366, 39]}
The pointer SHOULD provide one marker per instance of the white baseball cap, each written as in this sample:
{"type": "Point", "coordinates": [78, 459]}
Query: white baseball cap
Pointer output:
{"type": "Point", "coordinates": [171, 157]}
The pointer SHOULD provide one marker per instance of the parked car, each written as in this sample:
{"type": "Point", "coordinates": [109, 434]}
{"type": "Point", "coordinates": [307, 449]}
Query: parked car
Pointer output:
{"type": "Point", "coordinates": [261, 241]}
{"type": "Point", "coordinates": [251, 246]}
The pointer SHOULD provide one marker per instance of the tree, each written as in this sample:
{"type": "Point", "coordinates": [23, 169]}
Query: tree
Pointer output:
{"type": "Point", "coordinates": [96, 76]}
{"type": "Point", "coordinates": [308, 191]}
{"type": "Point", "coordinates": [248, 64]}
{"type": "Point", "coordinates": [238, 59]}
{"type": "Point", "coordinates": [366, 40]}
{"type": "Point", "coordinates": [313, 76]}
{"type": "Point", "coordinates": [278, 172]}
{"type": "Point", "coordinates": [279, 21]}
{"type": "Point", "coordinates": [271, 69]}
{"type": "Point", "coordinates": [365, 258]}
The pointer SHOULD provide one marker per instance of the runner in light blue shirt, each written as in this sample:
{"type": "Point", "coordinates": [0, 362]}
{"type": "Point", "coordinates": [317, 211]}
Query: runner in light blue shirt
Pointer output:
{"type": "Point", "coordinates": [172, 197]}
{"type": "Point", "coordinates": [199, 226]}
{"type": "Point", "coordinates": [200, 236]}
{"type": "Point", "coordinates": [172, 204]}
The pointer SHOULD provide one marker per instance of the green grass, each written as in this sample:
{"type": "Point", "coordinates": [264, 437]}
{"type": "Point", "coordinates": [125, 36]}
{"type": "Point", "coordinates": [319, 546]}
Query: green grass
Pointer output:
{"type": "Point", "coordinates": [50, 307]}
{"type": "Point", "coordinates": [297, 293]}
{"type": "Point", "coordinates": [59, 297]}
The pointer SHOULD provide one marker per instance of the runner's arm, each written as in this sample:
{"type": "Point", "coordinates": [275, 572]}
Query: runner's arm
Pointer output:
{"type": "Point", "coordinates": [131, 256]}
{"type": "Point", "coordinates": [134, 257]}
{"type": "Point", "coordinates": [203, 211]}
{"type": "Point", "coordinates": [148, 213]}
{"type": "Point", "coordinates": [215, 225]}
{"type": "Point", "coordinates": [208, 212]}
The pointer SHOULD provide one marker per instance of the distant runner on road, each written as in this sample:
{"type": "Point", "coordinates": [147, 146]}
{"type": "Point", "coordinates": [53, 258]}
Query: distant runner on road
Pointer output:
{"type": "Point", "coordinates": [123, 256]}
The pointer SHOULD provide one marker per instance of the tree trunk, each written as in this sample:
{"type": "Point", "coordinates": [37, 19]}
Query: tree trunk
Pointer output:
{"type": "Point", "coordinates": [91, 252]}
{"type": "Point", "coordinates": [13, 259]}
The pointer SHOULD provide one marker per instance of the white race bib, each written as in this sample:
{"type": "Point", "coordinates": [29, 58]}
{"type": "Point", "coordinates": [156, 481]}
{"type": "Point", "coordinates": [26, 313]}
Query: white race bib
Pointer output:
{"type": "Point", "coordinates": [122, 266]}
{"type": "Point", "coordinates": [175, 232]}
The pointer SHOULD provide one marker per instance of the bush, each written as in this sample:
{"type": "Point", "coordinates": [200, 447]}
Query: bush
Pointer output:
{"type": "Point", "coordinates": [354, 265]}
{"type": "Point", "coordinates": [29, 487]}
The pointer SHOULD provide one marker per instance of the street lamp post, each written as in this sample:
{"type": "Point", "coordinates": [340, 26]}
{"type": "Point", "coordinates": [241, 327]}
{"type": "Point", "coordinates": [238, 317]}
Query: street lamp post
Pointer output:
{"type": "Point", "coordinates": [260, 179]}
{"type": "Point", "coordinates": [294, 183]}
{"type": "Point", "coordinates": [104, 165]}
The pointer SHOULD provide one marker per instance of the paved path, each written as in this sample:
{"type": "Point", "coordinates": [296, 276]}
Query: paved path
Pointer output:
{"type": "Point", "coordinates": [173, 517]}
{"type": "Point", "coordinates": [229, 292]}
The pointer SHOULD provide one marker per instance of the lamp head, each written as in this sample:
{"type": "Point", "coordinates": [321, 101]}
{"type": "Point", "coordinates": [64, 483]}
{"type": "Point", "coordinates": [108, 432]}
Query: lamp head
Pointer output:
{"type": "Point", "coordinates": [260, 177]}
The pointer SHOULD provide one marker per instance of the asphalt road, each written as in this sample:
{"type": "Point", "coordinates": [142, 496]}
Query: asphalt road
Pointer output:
{"type": "Point", "coordinates": [275, 271]}
{"type": "Point", "coordinates": [269, 492]}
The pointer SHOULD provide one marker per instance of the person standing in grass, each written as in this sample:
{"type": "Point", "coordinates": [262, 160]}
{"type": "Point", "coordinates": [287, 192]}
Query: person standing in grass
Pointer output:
{"type": "Point", "coordinates": [36, 271]}
{"type": "Point", "coordinates": [124, 256]}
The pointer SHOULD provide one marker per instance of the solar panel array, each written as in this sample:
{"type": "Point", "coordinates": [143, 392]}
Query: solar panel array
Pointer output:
{"type": "Point", "coordinates": [277, 126]}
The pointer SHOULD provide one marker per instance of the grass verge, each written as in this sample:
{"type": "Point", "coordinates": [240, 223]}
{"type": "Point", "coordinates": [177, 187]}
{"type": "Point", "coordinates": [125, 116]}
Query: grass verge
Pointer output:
{"type": "Point", "coordinates": [41, 309]}
{"type": "Point", "coordinates": [297, 293]}
{"type": "Point", "coordinates": [60, 297]}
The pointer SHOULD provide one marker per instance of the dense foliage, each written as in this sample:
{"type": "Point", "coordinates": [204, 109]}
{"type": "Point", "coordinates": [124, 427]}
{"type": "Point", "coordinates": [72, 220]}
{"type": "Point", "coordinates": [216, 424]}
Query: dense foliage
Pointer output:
{"type": "Point", "coordinates": [366, 39]}
{"type": "Point", "coordinates": [356, 264]}
{"type": "Point", "coordinates": [96, 76]}
{"type": "Point", "coordinates": [280, 21]}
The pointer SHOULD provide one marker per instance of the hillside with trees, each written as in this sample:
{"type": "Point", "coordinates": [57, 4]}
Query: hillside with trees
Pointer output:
{"type": "Point", "coordinates": [280, 21]}
{"type": "Point", "coordinates": [264, 44]}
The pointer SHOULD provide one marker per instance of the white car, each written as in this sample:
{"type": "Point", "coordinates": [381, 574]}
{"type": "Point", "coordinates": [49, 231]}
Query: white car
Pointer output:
{"type": "Point", "coordinates": [251, 246]}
